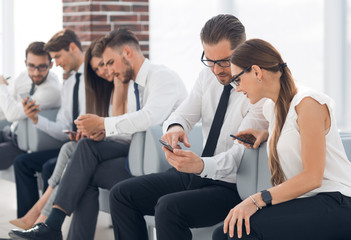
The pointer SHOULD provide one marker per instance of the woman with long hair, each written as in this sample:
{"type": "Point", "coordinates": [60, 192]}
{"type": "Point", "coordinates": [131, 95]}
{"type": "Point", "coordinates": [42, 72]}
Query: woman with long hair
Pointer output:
{"type": "Point", "coordinates": [310, 172]}
{"type": "Point", "coordinates": [105, 96]}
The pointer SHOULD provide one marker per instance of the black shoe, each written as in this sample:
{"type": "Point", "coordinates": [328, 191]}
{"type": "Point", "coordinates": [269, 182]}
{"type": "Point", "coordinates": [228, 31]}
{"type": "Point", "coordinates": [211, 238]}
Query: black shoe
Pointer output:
{"type": "Point", "coordinates": [40, 231]}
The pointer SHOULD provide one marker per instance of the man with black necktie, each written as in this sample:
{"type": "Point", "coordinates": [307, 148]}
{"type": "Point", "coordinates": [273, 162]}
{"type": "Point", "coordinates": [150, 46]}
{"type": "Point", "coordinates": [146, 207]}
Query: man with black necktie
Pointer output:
{"type": "Point", "coordinates": [197, 191]}
{"type": "Point", "coordinates": [38, 82]}
{"type": "Point", "coordinates": [65, 48]}
{"type": "Point", "coordinates": [154, 92]}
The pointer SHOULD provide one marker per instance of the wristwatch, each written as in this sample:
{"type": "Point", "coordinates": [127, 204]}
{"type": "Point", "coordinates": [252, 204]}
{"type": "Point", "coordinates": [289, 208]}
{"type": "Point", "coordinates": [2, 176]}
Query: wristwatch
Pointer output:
{"type": "Point", "coordinates": [266, 197]}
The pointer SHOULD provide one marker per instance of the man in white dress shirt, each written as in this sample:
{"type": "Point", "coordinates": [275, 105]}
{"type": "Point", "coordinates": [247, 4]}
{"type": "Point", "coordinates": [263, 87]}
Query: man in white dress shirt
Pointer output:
{"type": "Point", "coordinates": [155, 91]}
{"type": "Point", "coordinates": [39, 83]}
{"type": "Point", "coordinates": [197, 191]}
{"type": "Point", "coordinates": [65, 48]}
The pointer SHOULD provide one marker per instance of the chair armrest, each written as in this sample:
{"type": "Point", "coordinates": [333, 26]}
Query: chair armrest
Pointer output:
{"type": "Point", "coordinates": [136, 154]}
{"type": "Point", "coordinates": [264, 173]}
{"type": "Point", "coordinates": [22, 135]}
{"type": "Point", "coordinates": [39, 140]}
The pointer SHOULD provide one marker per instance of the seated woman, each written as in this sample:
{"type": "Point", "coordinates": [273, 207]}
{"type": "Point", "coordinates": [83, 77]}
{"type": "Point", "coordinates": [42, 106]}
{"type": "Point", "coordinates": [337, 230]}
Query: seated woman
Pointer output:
{"type": "Point", "coordinates": [105, 96]}
{"type": "Point", "coordinates": [311, 175]}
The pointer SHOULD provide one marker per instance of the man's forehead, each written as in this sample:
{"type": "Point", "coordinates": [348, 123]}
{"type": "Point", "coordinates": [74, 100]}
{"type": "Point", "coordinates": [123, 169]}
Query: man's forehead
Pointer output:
{"type": "Point", "coordinates": [32, 58]}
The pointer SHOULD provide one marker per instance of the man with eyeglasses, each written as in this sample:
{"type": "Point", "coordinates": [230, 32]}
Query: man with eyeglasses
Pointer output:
{"type": "Point", "coordinates": [39, 83]}
{"type": "Point", "coordinates": [197, 191]}
{"type": "Point", "coordinates": [65, 48]}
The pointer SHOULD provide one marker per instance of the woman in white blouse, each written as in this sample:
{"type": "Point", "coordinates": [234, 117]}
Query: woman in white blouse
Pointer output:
{"type": "Point", "coordinates": [310, 173]}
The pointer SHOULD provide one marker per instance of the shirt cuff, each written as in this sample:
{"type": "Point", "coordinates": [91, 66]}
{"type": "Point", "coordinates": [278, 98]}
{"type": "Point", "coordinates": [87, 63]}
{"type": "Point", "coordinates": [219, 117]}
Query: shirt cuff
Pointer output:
{"type": "Point", "coordinates": [110, 128]}
{"type": "Point", "coordinates": [210, 167]}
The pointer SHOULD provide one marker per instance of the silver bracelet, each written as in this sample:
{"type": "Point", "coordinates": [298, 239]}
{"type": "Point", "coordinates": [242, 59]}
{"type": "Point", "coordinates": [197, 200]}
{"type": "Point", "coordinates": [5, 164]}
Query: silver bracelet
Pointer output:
{"type": "Point", "coordinates": [258, 207]}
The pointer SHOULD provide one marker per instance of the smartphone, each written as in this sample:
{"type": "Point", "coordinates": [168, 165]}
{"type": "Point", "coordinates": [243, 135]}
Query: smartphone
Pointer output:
{"type": "Point", "coordinates": [249, 139]}
{"type": "Point", "coordinates": [164, 143]}
{"type": "Point", "coordinates": [69, 131]}
{"type": "Point", "coordinates": [24, 95]}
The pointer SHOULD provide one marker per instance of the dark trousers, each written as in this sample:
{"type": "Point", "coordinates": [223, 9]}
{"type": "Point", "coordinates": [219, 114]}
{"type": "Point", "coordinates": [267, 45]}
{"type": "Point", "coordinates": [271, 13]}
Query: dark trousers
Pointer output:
{"type": "Point", "coordinates": [176, 207]}
{"type": "Point", "coordinates": [26, 166]}
{"type": "Point", "coordinates": [92, 165]}
{"type": "Point", "coordinates": [8, 150]}
{"type": "Point", "coordinates": [326, 216]}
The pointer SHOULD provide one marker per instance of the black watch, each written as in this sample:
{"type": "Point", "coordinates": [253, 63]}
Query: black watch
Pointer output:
{"type": "Point", "coordinates": [266, 197]}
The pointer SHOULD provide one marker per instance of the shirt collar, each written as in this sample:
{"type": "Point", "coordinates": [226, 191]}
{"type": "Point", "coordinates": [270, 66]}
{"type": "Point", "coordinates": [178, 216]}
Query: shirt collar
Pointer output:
{"type": "Point", "coordinates": [143, 72]}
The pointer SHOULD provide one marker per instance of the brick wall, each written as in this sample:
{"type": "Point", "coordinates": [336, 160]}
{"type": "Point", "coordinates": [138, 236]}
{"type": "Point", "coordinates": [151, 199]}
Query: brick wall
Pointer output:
{"type": "Point", "coordinates": [94, 18]}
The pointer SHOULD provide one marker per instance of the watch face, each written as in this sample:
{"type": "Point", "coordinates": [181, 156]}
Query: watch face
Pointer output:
{"type": "Point", "coordinates": [266, 197]}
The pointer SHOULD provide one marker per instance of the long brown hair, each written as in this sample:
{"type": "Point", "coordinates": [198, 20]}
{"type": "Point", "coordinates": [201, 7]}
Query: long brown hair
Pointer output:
{"type": "Point", "coordinates": [98, 91]}
{"type": "Point", "coordinates": [263, 54]}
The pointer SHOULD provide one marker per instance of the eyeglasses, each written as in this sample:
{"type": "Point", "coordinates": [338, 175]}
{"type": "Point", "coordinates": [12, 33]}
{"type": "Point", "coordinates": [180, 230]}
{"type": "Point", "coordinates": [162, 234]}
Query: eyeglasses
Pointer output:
{"type": "Point", "coordinates": [41, 68]}
{"type": "Point", "coordinates": [236, 79]}
{"type": "Point", "coordinates": [209, 63]}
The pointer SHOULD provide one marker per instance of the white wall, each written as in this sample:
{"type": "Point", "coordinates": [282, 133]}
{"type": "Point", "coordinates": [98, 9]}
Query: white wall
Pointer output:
{"type": "Point", "coordinates": [294, 27]}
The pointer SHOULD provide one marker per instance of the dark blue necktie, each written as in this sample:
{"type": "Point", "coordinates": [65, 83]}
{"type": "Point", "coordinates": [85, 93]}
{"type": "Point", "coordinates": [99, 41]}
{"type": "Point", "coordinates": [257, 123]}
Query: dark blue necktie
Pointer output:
{"type": "Point", "coordinates": [217, 123]}
{"type": "Point", "coordinates": [32, 89]}
{"type": "Point", "coordinates": [137, 99]}
{"type": "Point", "coordinates": [75, 106]}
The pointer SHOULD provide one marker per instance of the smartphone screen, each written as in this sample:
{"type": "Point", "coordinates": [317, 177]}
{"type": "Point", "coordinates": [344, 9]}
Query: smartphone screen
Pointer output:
{"type": "Point", "coordinates": [249, 139]}
{"type": "Point", "coordinates": [164, 143]}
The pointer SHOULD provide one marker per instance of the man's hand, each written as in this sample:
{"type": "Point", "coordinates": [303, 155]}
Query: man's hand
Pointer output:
{"type": "Point", "coordinates": [31, 110]}
{"type": "Point", "coordinates": [174, 135]}
{"type": "Point", "coordinates": [3, 80]}
{"type": "Point", "coordinates": [89, 124]}
{"type": "Point", "coordinates": [99, 136]}
{"type": "Point", "coordinates": [75, 136]}
{"type": "Point", "coordinates": [184, 160]}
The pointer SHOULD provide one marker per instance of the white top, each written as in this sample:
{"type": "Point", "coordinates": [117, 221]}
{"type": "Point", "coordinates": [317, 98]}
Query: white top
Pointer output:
{"type": "Point", "coordinates": [337, 172]}
{"type": "Point", "coordinates": [160, 90]}
{"type": "Point", "coordinates": [201, 104]}
{"type": "Point", "coordinates": [64, 116]}
{"type": "Point", "coordinates": [47, 94]}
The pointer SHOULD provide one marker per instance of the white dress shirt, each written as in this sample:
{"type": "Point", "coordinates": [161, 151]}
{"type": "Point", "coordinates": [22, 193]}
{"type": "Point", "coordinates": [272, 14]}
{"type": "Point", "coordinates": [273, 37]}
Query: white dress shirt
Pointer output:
{"type": "Point", "coordinates": [64, 116]}
{"type": "Point", "coordinates": [160, 90]}
{"type": "Point", "coordinates": [201, 104]}
{"type": "Point", "coordinates": [47, 94]}
{"type": "Point", "coordinates": [337, 170]}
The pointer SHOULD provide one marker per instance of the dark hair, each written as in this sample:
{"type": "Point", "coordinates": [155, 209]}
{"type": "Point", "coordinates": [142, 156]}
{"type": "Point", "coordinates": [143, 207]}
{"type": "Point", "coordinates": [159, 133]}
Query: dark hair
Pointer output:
{"type": "Point", "coordinates": [98, 90]}
{"type": "Point", "coordinates": [37, 48]}
{"type": "Point", "coordinates": [223, 26]}
{"type": "Point", "coordinates": [263, 54]}
{"type": "Point", "coordinates": [120, 37]}
{"type": "Point", "coordinates": [62, 40]}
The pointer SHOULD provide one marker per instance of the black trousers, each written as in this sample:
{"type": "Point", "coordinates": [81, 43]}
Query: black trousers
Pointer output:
{"type": "Point", "coordinates": [26, 165]}
{"type": "Point", "coordinates": [326, 216]}
{"type": "Point", "coordinates": [8, 149]}
{"type": "Point", "coordinates": [92, 165]}
{"type": "Point", "coordinates": [176, 207]}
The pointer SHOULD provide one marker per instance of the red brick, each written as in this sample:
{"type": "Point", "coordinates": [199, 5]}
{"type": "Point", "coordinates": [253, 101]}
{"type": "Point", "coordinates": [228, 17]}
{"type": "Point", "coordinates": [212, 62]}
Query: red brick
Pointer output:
{"type": "Point", "coordinates": [140, 8]}
{"type": "Point", "coordinates": [124, 18]}
{"type": "Point", "coordinates": [133, 27]}
{"type": "Point", "coordinates": [84, 8]}
{"type": "Point", "coordinates": [145, 27]}
{"type": "Point", "coordinates": [117, 8]}
{"type": "Point", "coordinates": [142, 37]}
{"type": "Point", "coordinates": [144, 17]}
{"type": "Point", "coordinates": [135, 1]}
{"type": "Point", "coordinates": [144, 47]}
{"type": "Point", "coordinates": [67, 9]}
{"type": "Point", "coordinates": [100, 18]}
{"type": "Point", "coordinates": [77, 18]}
{"type": "Point", "coordinates": [95, 7]}
{"type": "Point", "coordinates": [101, 27]}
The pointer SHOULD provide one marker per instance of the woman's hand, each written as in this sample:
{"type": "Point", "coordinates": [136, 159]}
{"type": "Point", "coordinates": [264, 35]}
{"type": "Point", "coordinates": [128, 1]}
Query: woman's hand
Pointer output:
{"type": "Point", "coordinates": [260, 135]}
{"type": "Point", "coordinates": [240, 215]}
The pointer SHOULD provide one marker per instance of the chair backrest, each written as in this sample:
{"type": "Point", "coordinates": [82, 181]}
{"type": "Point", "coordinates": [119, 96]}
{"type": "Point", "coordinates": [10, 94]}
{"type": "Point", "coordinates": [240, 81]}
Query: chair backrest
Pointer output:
{"type": "Point", "coordinates": [154, 157]}
{"type": "Point", "coordinates": [346, 141]}
{"type": "Point", "coordinates": [136, 154]}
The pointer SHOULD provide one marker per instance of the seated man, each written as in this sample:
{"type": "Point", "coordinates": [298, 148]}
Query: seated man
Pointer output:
{"type": "Point", "coordinates": [198, 191]}
{"type": "Point", "coordinates": [39, 83]}
{"type": "Point", "coordinates": [65, 48]}
{"type": "Point", "coordinates": [155, 92]}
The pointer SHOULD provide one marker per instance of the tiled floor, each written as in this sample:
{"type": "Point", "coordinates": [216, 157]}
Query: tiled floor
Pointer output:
{"type": "Point", "coordinates": [8, 212]}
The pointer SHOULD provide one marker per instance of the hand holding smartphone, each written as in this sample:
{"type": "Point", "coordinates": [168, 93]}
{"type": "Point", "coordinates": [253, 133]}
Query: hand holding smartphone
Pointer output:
{"type": "Point", "coordinates": [248, 138]}
{"type": "Point", "coordinates": [24, 95]}
{"type": "Point", "coordinates": [70, 132]}
{"type": "Point", "coordinates": [164, 143]}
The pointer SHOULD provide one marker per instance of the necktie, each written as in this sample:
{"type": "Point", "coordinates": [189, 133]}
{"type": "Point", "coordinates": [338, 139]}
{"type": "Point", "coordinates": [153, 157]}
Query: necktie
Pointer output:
{"type": "Point", "coordinates": [32, 89]}
{"type": "Point", "coordinates": [136, 92]}
{"type": "Point", "coordinates": [75, 106]}
{"type": "Point", "coordinates": [217, 123]}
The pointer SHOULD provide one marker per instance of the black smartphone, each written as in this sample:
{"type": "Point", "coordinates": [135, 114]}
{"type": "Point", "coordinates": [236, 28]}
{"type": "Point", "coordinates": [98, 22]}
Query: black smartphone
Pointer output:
{"type": "Point", "coordinates": [249, 139]}
{"type": "Point", "coordinates": [69, 131]}
{"type": "Point", "coordinates": [164, 143]}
